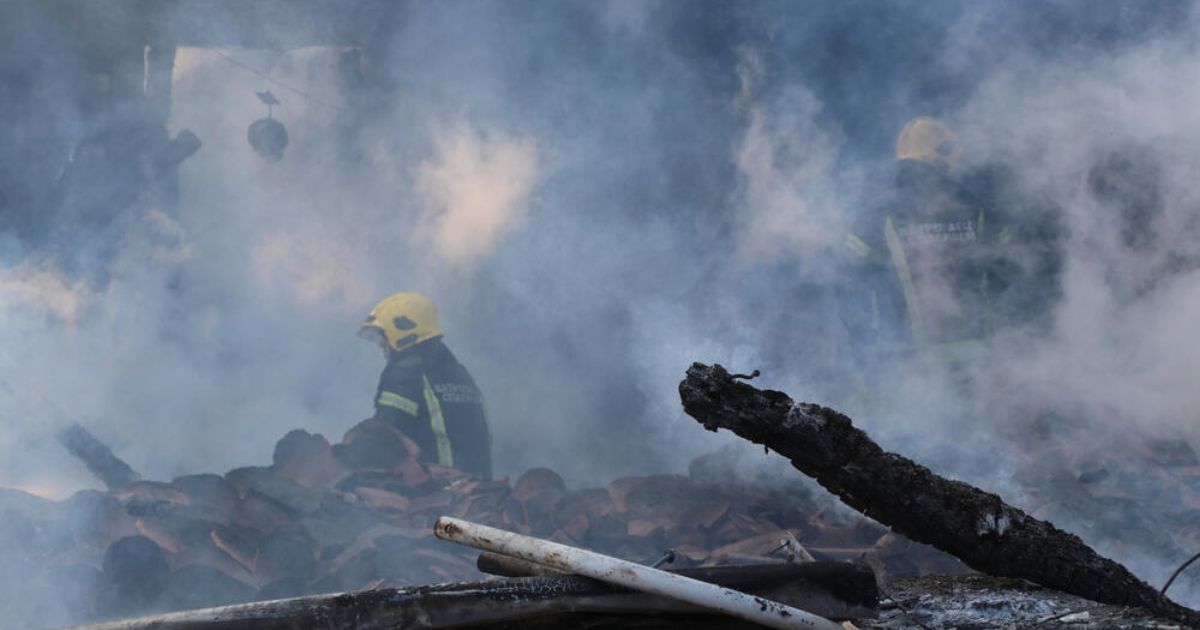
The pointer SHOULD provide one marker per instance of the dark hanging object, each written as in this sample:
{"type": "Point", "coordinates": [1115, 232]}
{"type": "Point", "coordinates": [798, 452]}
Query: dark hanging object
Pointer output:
{"type": "Point", "coordinates": [268, 136]}
{"type": "Point", "coordinates": [268, 99]}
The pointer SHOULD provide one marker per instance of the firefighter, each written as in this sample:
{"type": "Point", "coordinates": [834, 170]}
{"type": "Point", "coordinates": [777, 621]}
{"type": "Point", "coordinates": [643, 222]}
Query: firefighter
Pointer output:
{"type": "Point", "coordinates": [926, 261]}
{"type": "Point", "coordinates": [424, 391]}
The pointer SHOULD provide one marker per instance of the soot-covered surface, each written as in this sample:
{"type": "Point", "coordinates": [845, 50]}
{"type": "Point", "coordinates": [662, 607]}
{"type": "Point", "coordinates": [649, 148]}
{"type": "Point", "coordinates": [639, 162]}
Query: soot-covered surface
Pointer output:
{"type": "Point", "coordinates": [973, 525]}
{"type": "Point", "coordinates": [980, 601]}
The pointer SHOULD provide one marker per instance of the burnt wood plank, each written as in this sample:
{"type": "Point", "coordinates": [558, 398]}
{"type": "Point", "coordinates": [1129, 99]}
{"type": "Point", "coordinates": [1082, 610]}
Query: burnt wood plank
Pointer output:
{"type": "Point", "coordinates": [975, 526]}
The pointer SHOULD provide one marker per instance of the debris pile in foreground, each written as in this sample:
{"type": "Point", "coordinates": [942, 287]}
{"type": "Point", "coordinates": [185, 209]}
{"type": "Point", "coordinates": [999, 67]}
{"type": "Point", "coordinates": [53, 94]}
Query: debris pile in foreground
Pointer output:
{"type": "Point", "coordinates": [354, 521]}
{"type": "Point", "coordinates": [359, 515]}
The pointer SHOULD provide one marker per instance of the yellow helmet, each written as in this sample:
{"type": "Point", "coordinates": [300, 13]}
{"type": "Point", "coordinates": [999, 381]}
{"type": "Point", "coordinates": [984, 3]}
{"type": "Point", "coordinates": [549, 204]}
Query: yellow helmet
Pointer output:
{"type": "Point", "coordinates": [929, 141]}
{"type": "Point", "coordinates": [402, 320]}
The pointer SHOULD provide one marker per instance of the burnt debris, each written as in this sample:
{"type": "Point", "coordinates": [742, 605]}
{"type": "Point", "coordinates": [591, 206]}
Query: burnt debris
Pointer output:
{"type": "Point", "coordinates": [342, 517]}
{"type": "Point", "coordinates": [98, 458]}
{"type": "Point", "coordinates": [834, 589]}
{"type": "Point", "coordinates": [351, 517]}
{"type": "Point", "coordinates": [975, 526]}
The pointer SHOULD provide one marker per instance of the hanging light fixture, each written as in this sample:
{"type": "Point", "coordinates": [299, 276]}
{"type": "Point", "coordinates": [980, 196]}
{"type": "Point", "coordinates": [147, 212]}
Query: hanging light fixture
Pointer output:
{"type": "Point", "coordinates": [268, 137]}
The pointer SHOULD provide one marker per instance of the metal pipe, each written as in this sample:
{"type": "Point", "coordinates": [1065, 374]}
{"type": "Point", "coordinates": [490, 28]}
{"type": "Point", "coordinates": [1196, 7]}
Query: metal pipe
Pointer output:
{"type": "Point", "coordinates": [630, 575]}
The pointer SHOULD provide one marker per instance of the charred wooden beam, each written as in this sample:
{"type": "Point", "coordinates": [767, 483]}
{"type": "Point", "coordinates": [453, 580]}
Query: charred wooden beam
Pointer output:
{"type": "Point", "coordinates": [829, 588]}
{"type": "Point", "coordinates": [976, 526]}
{"type": "Point", "coordinates": [98, 458]}
{"type": "Point", "coordinates": [834, 589]}
{"type": "Point", "coordinates": [507, 566]}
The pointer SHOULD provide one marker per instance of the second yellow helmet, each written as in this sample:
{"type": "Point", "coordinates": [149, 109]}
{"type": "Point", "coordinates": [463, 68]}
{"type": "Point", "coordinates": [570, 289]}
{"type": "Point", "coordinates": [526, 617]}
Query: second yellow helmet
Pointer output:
{"type": "Point", "coordinates": [929, 141]}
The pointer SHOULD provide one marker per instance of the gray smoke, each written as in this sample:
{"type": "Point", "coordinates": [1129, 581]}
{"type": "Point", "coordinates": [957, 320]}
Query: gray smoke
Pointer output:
{"type": "Point", "coordinates": [595, 195]}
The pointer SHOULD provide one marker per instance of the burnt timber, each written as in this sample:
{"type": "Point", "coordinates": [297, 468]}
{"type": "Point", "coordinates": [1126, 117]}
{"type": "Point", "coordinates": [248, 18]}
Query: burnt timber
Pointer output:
{"type": "Point", "coordinates": [835, 589]}
{"type": "Point", "coordinates": [976, 526]}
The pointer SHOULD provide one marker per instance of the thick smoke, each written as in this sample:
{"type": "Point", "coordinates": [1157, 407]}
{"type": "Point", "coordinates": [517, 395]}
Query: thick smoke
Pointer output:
{"type": "Point", "coordinates": [786, 158]}
{"type": "Point", "coordinates": [475, 190]}
{"type": "Point", "coordinates": [595, 195]}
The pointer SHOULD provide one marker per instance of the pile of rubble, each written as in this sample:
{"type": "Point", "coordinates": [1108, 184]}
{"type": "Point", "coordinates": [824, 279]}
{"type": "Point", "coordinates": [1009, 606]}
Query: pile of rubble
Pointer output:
{"type": "Point", "coordinates": [976, 526]}
{"type": "Point", "coordinates": [359, 514]}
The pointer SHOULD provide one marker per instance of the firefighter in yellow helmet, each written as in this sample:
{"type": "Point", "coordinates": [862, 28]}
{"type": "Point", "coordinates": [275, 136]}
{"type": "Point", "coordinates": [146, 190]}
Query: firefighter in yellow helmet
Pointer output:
{"type": "Point", "coordinates": [926, 258]}
{"type": "Point", "coordinates": [424, 391]}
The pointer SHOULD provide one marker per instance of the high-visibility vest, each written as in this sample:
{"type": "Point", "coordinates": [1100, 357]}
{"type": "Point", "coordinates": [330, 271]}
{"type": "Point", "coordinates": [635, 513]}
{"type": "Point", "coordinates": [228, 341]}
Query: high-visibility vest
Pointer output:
{"type": "Point", "coordinates": [897, 258]}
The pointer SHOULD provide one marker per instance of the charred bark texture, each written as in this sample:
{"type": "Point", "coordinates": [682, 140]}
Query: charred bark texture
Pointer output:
{"type": "Point", "coordinates": [976, 526]}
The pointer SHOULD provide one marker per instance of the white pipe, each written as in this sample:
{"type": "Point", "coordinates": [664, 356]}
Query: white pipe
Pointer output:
{"type": "Point", "coordinates": [630, 575]}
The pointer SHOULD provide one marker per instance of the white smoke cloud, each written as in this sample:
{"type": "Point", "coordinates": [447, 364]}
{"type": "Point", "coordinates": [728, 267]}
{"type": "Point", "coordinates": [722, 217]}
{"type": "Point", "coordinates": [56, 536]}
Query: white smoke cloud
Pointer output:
{"type": "Point", "coordinates": [1121, 333]}
{"type": "Point", "coordinates": [311, 267]}
{"type": "Point", "coordinates": [474, 189]}
{"type": "Point", "coordinates": [42, 290]}
{"type": "Point", "coordinates": [786, 158]}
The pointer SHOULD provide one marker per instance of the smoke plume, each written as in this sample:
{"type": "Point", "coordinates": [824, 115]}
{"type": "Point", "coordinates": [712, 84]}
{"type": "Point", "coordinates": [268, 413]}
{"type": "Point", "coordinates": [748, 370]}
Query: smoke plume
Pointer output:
{"type": "Point", "coordinates": [595, 195]}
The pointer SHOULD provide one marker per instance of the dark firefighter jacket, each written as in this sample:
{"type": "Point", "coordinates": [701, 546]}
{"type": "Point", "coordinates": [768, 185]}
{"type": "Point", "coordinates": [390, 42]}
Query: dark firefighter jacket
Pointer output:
{"type": "Point", "coordinates": [426, 393]}
{"type": "Point", "coordinates": [928, 265]}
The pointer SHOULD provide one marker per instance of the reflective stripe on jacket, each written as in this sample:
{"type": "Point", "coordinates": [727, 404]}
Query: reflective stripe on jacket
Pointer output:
{"type": "Point", "coordinates": [892, 315]}
{"type": "Point", "coordinates": [426, 393]}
